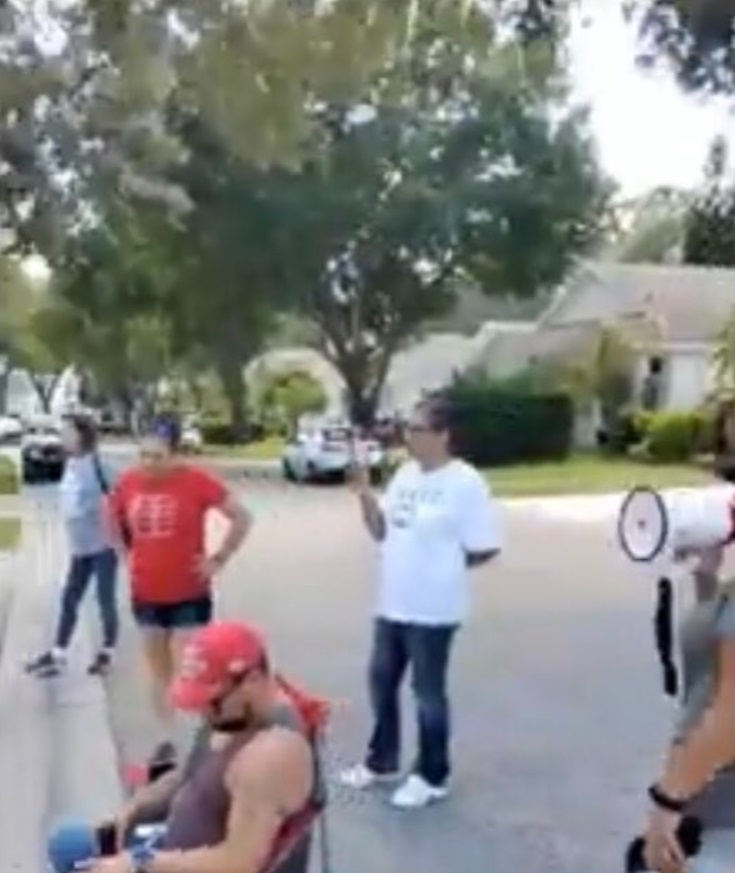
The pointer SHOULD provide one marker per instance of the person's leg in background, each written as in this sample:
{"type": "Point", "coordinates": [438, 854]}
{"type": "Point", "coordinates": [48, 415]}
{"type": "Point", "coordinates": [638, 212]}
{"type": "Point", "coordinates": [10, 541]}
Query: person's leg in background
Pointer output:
{"type": "Point", "coordinates": [154, 625]}
{"type": "Point", "coordinates": [51, 663]}
{"type": "Point", "coordinates": [428, 651]}
{"type": "Point", "coordinates": [388, 662]}
{"type": "Point", "coordinates": [185, 619]}
{"type": "Point", "coordinates": [717, 854]}
{"type": "Point", "coordinates": [105, 568]}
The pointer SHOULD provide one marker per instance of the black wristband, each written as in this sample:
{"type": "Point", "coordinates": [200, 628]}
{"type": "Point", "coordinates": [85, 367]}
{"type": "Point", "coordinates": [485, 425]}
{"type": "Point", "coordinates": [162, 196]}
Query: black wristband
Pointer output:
{"type": "Point", "coordinates": [663, 801]}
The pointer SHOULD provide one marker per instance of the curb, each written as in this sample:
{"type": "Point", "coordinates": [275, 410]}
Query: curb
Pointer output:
{"type": "Point", "coordinates": [26, 742]}
{"type": "Point", "coordinates": [56, 754]}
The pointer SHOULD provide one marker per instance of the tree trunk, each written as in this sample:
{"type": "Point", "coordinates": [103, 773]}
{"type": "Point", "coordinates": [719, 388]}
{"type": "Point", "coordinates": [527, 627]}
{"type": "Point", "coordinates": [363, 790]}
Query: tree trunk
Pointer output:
{"type": "Point", "coordinates": [4, 383]}
{"type": "Point", "coordinates": [44, 387]}
{"type": "Point", "coordinates": [364, 379]}
{"type": "Point", "coordinates": [362, 402]}
{"type": "Point", "coordinates": [230, 372]}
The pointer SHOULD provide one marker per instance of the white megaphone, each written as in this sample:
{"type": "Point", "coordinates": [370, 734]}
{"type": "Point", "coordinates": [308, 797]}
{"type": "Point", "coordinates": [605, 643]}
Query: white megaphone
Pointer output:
{"type": "Point", "coordinates": [667, 529]}
{"type": "Point", "coordinates": [652, 525]}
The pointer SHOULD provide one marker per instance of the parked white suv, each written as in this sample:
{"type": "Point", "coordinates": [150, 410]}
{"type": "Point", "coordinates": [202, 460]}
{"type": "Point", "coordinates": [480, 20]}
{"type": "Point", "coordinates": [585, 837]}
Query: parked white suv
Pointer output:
{"type": "Point", "coordinates": [192, 440]}
{"type": "Point", "coordinates": [328, 452]}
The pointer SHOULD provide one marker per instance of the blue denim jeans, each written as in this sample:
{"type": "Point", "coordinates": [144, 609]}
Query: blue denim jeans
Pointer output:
{"type": "Point", "coordinates": [103, 566]}
{"type": "Point", "coordinates": [426, 649]}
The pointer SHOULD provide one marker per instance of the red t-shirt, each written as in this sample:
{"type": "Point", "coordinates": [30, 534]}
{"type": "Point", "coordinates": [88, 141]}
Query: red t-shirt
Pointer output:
{"type": "Point", "coordinates": [166, 521]}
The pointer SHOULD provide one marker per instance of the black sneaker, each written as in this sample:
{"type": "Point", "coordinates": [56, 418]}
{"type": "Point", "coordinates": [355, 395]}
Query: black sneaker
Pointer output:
{"type": "Point", "coordinates": [102, 664]}
{"type": "Point", "coordinates": [46, 666]}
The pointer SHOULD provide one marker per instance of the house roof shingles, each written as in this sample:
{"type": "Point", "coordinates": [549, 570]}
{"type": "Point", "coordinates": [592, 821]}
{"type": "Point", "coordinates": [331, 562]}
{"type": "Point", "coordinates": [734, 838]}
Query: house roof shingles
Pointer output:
{"type": "Point", "coordinates": [689, 303]}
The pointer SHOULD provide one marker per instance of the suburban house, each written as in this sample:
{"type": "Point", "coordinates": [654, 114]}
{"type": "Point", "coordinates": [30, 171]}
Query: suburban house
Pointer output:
{"type": "Point", "coordinates": [671, 315]}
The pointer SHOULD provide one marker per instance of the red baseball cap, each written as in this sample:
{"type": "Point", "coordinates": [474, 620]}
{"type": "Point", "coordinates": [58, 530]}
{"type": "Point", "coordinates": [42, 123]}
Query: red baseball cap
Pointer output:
{"type": "Point", "coordinates": [211, 658]}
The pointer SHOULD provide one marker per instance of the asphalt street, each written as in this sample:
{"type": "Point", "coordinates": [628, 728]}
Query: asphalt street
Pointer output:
{"type": "Point", "coordinates": [559, 722]}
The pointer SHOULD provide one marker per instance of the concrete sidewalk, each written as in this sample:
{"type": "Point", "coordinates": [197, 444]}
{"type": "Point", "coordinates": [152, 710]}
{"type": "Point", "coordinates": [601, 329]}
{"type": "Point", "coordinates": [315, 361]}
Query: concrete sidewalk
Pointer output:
{"type": "Point", "coordinates": [56, 754]}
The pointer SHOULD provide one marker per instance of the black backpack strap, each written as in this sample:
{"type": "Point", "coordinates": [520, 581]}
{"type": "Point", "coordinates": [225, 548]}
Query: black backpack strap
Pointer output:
{"type": "Point", "coordinates": [126, 534]}
{"type": "Point", "coordinates": [100, 474]}
{"type": "Point", "coordinates": [664, 634]}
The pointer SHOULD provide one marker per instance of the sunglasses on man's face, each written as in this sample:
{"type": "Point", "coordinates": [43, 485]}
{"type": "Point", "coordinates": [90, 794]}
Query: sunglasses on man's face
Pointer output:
{"type": "Point", "coordinates": [418, 427]}
{"type": "Point", "coordinates": [232, 683]}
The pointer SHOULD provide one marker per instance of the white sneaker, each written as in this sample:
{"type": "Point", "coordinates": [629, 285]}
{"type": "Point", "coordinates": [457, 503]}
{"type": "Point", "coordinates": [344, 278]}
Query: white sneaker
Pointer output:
{"type": "Point", "coordinates": [361, 777]}
{"type": "Point", "coordinates": [416, 793]}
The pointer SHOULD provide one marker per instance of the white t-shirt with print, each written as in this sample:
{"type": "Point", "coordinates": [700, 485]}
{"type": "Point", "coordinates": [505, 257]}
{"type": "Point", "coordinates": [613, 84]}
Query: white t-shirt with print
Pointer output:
{"type": "Point", "coordinates": [433, 520]}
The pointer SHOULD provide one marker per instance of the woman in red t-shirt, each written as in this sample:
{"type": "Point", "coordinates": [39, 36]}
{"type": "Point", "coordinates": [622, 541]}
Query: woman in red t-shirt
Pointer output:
{"type": "Point", "coordinates": [159, 509]}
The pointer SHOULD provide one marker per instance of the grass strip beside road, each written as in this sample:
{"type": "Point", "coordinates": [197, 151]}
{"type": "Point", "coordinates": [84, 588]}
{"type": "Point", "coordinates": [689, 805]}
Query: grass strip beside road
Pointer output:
{"type": "Point", "coordinates": [11, 530]}
{"type": "Point", "coordinates": [270, 449]}
{"type": "Point", "coordinates": [582, 474]}
{"type": "Point", "coordinates": [590, 475]}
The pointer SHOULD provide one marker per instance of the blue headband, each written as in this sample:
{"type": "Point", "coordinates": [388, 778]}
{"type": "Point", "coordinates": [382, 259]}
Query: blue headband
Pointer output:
{"type": "Point", "coordinates": [166, 429]}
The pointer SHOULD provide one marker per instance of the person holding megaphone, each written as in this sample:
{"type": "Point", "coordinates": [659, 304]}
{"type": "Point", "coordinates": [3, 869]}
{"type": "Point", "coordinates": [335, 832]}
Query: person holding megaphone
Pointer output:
{"type": "Point", "coordinates": [691, 822]}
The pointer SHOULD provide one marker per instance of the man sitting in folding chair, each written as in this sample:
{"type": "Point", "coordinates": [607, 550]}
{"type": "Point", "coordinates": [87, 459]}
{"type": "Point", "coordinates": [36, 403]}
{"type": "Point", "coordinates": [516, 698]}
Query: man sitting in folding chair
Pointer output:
{"type": "Point", "coordinates": [247, 799]}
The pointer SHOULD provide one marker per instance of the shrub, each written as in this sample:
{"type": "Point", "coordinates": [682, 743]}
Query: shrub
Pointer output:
{"type": "Point", "coordinates": [217, 431]}
{"type": "Point", "coordinates": [673, 436]}
{"type": "Point", "coordinates": [496, 425]}
{"type": "Point", "coordinates": [625, 431]}
{"type": "Point", "coordinates": [284, 397]}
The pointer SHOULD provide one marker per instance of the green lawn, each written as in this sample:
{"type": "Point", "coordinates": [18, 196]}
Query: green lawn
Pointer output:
{"type": "Point", "coordinates": [10, 534]}
{"type": "Point", "coordinates": [266, 450]}
{"type": "Point", "coordinates": [585, 474]}
{"type": "Point", "coordinates": [590, 475]}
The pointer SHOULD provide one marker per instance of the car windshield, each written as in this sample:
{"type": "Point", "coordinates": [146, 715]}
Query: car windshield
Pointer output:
{"type": "Point", "coordinates": [336, 434]}
{"type": "Point", "coordinates": [43, 431]}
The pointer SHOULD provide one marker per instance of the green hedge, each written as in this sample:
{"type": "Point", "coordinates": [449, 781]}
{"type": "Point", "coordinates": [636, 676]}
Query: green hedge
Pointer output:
{"type": "Point", "coordinates": [673, 436]}
{"type": "Point", "coordinates": [217, 431]}
{"type": "Point", "coordinates": [495, 425]}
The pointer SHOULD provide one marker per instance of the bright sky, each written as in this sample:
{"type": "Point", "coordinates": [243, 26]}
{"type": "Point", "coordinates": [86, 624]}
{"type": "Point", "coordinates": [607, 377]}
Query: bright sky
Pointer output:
{"type": "Point", "coordinates": [649, 134]}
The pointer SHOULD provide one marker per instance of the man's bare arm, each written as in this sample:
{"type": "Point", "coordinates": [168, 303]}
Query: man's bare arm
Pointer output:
{"type": "Point", "coordinates": [269, 780]}
{"type": "Point", "coordinates": [151, 803]}
{"type": "Point", "coordinates": [240, 522]}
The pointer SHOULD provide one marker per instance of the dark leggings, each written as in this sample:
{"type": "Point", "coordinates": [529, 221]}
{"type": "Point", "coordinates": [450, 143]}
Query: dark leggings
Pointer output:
{"type": "Point", "coordinates": [103, 566]}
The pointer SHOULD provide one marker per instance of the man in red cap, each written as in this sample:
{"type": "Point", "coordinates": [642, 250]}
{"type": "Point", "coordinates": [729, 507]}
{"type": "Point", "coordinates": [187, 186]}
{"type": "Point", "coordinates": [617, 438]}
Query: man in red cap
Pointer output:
{"type": "Point", "coordinates": [245, 798]}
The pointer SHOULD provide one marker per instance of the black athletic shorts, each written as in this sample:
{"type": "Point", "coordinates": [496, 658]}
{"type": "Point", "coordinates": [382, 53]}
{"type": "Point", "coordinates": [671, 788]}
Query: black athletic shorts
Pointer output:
{"type": "Point", "coordinates": [174, 616]}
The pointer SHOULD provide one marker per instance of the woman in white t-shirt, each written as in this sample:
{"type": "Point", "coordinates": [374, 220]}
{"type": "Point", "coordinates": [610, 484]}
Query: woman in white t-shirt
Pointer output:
{"type": "Point", "coordinates": [435, 520]}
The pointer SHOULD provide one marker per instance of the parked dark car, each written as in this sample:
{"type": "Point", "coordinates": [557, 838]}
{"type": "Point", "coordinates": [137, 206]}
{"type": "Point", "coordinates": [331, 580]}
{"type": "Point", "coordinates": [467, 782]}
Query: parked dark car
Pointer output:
{"type": "Point", "coordinates": [42, 454]}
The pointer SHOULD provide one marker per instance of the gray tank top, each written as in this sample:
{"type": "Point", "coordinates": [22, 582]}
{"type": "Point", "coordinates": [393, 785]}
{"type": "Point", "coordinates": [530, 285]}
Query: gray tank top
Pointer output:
{"type": "Point", "coordinates": [702, 630]}
{"type": "Point", "coordinates": [198, 814]}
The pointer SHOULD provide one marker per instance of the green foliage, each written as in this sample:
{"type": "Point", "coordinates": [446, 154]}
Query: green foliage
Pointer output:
{"type": "Point", "coordinates": [599, 373]}
{"type": "Point", "coordinates": [695, 39]}
{"type": "Point", "coordinates": [283, 397]}
{"type": "Point", "coordinates": [218, 431]}
{"type": "Point", "coordinates": [654, 233]}
{"type": "Point", "coordinates": [723, 356]}
{"type": "Point", "coordinates": [495, 426]}
{"type": "Point", "coordinates": [467, 163]}
{"type": "Point", "coordinates": [219, 173]}
{"type": "Point", "coordinates": [710, 224]}
{"type": "Point", "coordinates": [672, 436]}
